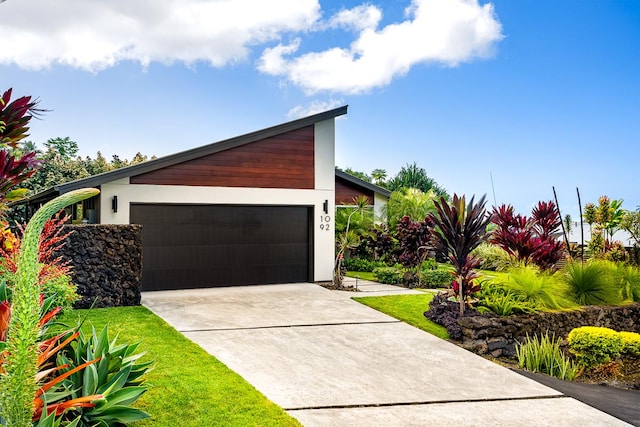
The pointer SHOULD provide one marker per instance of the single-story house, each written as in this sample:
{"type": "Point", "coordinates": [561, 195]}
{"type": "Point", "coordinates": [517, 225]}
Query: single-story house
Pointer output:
{"type": "Point", "coordinates": [254, 209]}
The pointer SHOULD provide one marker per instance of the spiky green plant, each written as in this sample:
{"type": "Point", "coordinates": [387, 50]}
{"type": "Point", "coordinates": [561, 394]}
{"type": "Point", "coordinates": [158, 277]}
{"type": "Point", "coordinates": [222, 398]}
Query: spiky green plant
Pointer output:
{"type": "Point", "coordinates": [18, 384]}
{"type": "Point", "coordinates": [591, 283]}
{"type": "Point", "coordinates": [628, 278]}
{"type": "Point", "coordinates": [543, 354]}
{"type": "Point", "coordinates": [542, 290]}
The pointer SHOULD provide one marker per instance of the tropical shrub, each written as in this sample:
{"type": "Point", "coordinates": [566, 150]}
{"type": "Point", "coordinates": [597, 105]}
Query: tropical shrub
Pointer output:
{"type": "Point", "coordinates": [117, 377]}
{"type": "Point", "coordinates": [540, 290]}
{"type": "Point", "coordinates": [543, 354]}
{"type": "Point", "coordinates": [531, 240]}
{"type": "Point", "coordinates": [378, 244]}
{"type": "Point", "coordinates": [349, 239]}
{"type": "Point", "coordinates": [15, 166]}
{"type": "Point", "coordinates": [53, 273]}
{"type": "Point", "coordinates": [37, 368]}
{"type": "Point", "coordinates": [631, 341]}
{"type": "Point", "coordinates": [591, 283]}
{"type": "Point", "coordinates": [446, 313]}
{"type": "Point", "coordinates": [389, 275]}
{"type": "Point", "coordinates": [19, 384]}
{"type": "Point", "coordinates": [494, 296]}
{"type": "Point", "coordinates": [494, 258]}
{"type": "Point", "coordinates": [409, 202]}
{"type": "Point", "coordinates": [435, 278]}
{"type": "Point", "coordinates": [616, 252]}
{"type": "Point", "coordinates": [503, 303]}
{"type": "Point", "coordinates": [628, 280]}
{"type": "Point", "coordinates": [415, 241]}
{"type": "Point", "coordinates": [458, 229]}
{"type": "Point", "coordinates": [594, 345]}
{"type": "Point", "coordinates": [361, 264]}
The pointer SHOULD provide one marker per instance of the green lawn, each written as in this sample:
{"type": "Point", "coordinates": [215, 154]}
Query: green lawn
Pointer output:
{"type": "Point", "coordinates": [408, 308]}
{"type": "Point", "coordinates": [187, 386]}
{"type": "Point", "coordinates": [364, 275]}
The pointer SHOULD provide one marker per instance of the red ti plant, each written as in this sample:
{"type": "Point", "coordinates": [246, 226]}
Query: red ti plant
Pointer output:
{"type": "Point", "coordinates": [530, 240]}
{"type": "Point", "coordinates": [15, 166]}
{"type": "Point", "coordinates": [15, 117]}
{"type": "Point", "coordinates": [459, 229]}
{"type": "Point", "coordinates": [415, 240]}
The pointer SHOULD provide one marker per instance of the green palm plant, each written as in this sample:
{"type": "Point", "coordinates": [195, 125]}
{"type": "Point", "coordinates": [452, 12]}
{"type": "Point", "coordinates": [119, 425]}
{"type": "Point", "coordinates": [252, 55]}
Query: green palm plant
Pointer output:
{"type": "Point", "coordinates": [459, 229]}
{"type": "Point", "coordinates": [591, 283]}
{"type": "Point", "coordinates": [409, 202]}
{"type": "Point", "coordinates": [348, 239]}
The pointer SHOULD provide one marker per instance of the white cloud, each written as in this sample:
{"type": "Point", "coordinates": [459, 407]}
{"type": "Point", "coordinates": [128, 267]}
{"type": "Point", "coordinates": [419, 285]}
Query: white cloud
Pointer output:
{"type": "Point", "coordinates": [314, 107]}
{"type": "Point", "coordinates": [358, 18]}
{"type": "Point", "coordinates": [448, 32]}
{"type": "Point", "coordinates": [93, 35]}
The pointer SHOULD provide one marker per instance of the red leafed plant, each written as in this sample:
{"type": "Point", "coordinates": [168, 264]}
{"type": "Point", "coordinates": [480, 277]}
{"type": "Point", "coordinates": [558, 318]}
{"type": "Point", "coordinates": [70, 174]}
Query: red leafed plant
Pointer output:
{"type": "Point", "coordinates": [15, 117]}
{"type": "Point", "coordinates": [530, 240]}
{"type": "Point", "coordinates": [415, 240]}
{"type": "Point", "coordinates": [459, 229]}
{"type": "Point", "coordinates": [15, 166]}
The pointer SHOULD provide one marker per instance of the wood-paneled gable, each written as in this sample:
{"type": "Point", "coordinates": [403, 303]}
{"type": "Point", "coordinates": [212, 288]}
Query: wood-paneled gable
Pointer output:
{"type": "Point", "coordinates": [282, 161]}
{"type": "Point", "coordinates": [346, 191]}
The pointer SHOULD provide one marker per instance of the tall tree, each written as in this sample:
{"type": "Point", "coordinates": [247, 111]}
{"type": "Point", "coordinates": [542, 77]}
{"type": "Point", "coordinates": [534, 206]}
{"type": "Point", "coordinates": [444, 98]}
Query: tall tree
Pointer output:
{"type": "Point", "coordinates": [60, 163]}
{"type": "Point", "coordinates": [379, 176]}
{"type": "Point", "coordinates": [413, 176]}
{"type": "Point", "coordinates": [361, 175]}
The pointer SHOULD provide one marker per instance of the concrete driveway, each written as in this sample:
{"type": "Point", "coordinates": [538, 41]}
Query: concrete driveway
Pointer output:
{"type": "Point", "coordinates": [330, 361]}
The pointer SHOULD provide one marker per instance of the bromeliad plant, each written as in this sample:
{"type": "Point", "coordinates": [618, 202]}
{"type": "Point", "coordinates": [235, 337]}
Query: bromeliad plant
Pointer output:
{"type": "Point", "coordinates": [458, 229]}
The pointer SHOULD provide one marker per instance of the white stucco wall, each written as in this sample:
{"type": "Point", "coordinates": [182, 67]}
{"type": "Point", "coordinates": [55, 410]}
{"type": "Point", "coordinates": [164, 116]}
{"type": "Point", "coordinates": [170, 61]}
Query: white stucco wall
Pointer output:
{"type": "Point", "coordinates": [378, 205]}
{"type": "Point", "coordinates": [323, 232]}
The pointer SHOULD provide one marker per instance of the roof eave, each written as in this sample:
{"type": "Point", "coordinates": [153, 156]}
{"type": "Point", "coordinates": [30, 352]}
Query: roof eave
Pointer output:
{"type": "Point", "coordinates": [365, 184]}
{"type": "Point", "coordinates": [194, 153]}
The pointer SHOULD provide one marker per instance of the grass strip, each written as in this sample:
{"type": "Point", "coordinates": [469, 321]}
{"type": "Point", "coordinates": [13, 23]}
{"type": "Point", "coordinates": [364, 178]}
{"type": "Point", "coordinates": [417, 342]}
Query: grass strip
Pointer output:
{"type": "Point", "coordinates": [363, 275]}
{"type": "Point", "coordinates": [408, 308]}
{"type": "Point", "coordinates": [187, 387]}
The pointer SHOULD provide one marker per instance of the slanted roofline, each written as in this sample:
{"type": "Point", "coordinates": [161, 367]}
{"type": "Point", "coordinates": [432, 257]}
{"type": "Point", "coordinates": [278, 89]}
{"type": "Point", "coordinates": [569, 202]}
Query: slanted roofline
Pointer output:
{"type": "Point", "coordinates": [194, 153]}
{"type": "Point", "coordinates": [357, 181]}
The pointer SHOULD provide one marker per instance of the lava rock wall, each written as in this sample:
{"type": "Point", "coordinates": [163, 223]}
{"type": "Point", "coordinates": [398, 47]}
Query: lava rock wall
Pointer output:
{"type": "Point", "coordinates": [106, 263]}
{"type": "Point", "coordinates": [497, 336]}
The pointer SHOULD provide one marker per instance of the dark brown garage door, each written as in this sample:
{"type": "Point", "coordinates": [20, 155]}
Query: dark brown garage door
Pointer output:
{"type": "Point", "coordinates": [201, 246]}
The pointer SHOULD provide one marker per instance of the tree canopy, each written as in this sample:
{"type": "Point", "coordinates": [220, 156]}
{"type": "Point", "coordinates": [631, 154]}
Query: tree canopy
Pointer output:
{"type": "Point", "coordinates": [413, 176]}
{"type": "Point", "coordinates": [61, 163]}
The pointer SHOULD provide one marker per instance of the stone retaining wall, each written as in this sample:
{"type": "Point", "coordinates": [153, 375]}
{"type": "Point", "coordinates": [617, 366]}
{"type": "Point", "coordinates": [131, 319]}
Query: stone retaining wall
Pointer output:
{"type": "Point", "coordinates": [497, 336]}
{"type": "Point", "coordinates": [106, 263]}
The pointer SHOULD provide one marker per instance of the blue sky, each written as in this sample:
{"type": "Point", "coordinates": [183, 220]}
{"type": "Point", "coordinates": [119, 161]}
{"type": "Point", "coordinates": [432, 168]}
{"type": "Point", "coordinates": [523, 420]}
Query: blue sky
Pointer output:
{"type": "Point", "coordinates": [534, 93]}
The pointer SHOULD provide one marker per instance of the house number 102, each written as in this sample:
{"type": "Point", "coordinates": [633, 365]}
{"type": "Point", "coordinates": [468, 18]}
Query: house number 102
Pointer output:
{"type": "Point", "coordinates": [325, 221]}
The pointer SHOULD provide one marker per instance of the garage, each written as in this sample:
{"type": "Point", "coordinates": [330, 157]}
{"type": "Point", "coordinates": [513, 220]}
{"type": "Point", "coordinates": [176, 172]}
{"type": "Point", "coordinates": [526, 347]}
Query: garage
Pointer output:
{"type": "Point", "coordinates": [198, 246]}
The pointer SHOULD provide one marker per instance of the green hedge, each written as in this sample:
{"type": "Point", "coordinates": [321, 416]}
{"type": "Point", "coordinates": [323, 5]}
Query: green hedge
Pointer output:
{"type": "Point", "coordinates": [388, 275]}
{"type": "Point", "coordinates": [361, 264]}
{"type": "Point", "coordinates": [594, 346]}
{"type": "Point", "coordinates": [435, 278]}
